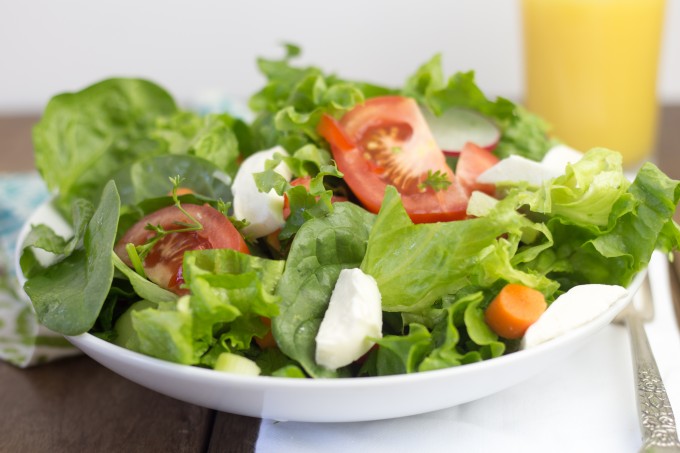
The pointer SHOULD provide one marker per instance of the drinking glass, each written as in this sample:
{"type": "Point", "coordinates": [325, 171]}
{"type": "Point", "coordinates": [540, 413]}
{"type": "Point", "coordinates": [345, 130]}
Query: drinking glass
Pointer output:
{"type": "Point", "coordinates": [591, 71]}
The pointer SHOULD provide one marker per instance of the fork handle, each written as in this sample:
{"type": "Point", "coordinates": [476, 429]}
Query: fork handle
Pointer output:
{"type": "Point", "coordinates": [657, 423]}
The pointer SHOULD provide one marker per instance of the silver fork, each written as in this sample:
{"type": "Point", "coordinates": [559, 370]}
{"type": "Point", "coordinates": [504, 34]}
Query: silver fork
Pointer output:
{"type": "Point", "coordinates": [657, 422]}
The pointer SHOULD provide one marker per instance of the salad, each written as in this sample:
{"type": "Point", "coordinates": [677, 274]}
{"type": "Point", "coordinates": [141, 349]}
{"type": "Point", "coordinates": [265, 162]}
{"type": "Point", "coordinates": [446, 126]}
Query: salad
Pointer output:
{"type": "Point", "coordinates": [346, 231]}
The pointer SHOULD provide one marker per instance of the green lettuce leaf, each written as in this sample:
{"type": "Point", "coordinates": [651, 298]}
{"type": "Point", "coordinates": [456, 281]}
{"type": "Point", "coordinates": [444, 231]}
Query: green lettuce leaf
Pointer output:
{"type": "Point", "coordinates": [293, 99]}
{"type": "Point", "coordinates": [522, 132]}
{"type": "Point", "coordinates": [603, 228]}
{"type": "Point", "coordinates": [144, 288]}
{"type": "Point", "coordinates": [415, 265]}
{"type": "Point", "coordinates": [230, 293]}
{"type": "Point", "coordinates": [148, 178]}
{"type": "Point", "coordinates": [401, 354]}
{"type": "Point", "coordinates": [462, 336]}
{"type": "Point", "coordinates": [166, 332]}
{"type": "Point", "coordinates": [587, 192]}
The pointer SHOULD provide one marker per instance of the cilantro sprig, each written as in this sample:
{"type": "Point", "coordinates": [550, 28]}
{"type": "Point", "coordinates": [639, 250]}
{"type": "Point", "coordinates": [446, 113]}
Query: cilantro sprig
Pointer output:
{"type": "Point", "coordinates": [438, 181]}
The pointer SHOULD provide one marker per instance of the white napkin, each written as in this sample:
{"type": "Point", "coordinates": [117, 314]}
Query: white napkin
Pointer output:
{"type": "Point", "coordinates": [585, 404]}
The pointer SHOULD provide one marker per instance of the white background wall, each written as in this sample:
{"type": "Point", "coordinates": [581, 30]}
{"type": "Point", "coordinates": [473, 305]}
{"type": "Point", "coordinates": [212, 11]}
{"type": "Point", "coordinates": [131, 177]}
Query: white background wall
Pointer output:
{"type": "Point", "coordinates": [50, 46]}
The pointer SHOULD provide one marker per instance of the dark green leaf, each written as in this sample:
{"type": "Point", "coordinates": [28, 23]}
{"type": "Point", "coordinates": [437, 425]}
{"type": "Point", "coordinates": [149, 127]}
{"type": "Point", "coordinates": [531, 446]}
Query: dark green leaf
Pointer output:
{"type": "Point", "coordinates": [69, 295]}
{"type": "Point", "coordinates": [321, 249]}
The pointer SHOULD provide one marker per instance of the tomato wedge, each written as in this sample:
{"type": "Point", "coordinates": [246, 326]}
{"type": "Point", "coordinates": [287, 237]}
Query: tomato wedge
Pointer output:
{"type": "Point", "coordinates": [163, 264]}
{"type": "Point", "coordinates": [472, 162]}
{"type": "Point", "coordinates": [386, 141]}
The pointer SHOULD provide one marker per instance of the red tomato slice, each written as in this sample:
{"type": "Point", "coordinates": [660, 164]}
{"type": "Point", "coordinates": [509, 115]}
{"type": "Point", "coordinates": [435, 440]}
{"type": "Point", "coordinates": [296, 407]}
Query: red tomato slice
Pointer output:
{"type": "Point", "coordinates": [386, 141]}
{"type": "Point", "coordinates": [163, 265]}
{"type": "Point", "coordinates": [472, 162]}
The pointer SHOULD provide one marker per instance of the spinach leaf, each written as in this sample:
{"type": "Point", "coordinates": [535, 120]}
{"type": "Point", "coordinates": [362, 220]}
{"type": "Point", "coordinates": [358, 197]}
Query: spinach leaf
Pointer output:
{"type": "Point", "coordinates": [149, 178]}
{"type": "Point", "coordinates": [321, 249]}
{"type": "Point", "coordinates": [84, 137]}
{"type": "Point", "coordinates": [68, 295]}
{"type": "Point", "coordinates": [43, 237]}
{"type": "Point", "coordinates": [87, 138]}
{"type": "Point", "coordinates": [144, 288]}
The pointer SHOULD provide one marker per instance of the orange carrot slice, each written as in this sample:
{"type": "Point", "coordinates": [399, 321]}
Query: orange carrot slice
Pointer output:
{"type": "Point", "coordinates": [268, 340]}
{"type": "Point", "coordinates": [514, 309]}
{"type": "Point", "coordinates": [183, 191]}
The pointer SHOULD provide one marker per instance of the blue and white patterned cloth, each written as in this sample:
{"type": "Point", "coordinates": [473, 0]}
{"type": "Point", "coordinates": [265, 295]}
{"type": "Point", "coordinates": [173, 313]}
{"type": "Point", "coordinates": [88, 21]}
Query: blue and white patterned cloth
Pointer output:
{"type": "Point", "coordinates": [23, 341]}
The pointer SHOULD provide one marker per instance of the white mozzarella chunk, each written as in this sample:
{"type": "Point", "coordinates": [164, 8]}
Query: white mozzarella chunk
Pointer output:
{"type": "Point", "coordinates": [517, 168]}
{"type": "Point", "coordinates": [572, 309]}
{"type": "Point", "coordinates": [263, 211]}
{"type": "Point", "coordinates": [353, 317]}
{"type": "Point", "coordinates": [559, 156]}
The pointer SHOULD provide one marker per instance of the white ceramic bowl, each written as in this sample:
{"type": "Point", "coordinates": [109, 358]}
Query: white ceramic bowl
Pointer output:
{"type": "Point", "coordinates": [334, 400]}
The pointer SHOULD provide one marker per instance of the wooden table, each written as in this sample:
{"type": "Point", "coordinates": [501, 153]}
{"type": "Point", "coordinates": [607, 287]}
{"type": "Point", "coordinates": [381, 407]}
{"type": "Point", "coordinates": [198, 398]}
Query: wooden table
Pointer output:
{"type": "Point", "coordinates": [78, 405]}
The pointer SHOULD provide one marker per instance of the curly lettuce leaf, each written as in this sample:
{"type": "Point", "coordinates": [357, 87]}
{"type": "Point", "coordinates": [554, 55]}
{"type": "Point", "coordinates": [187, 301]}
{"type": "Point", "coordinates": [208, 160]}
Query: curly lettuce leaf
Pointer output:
{"type": "Point", "coordinates": [586, 193]}
{"type": "Point", "coordinates": [604, 229]}
{"type": "Point", "coordinates": [293, 99]}
{"type": "Point", "coordinates": [291, 103]}
{"type": "Point", "coordinates": [460, 336]}
{"type": "Point", "coordinates": [402, 354]}
{"type": "Point", "coordinates": [417, 264]}
{"type": "Point", "coordinates": [522, 132]}
{"type": "Point", "coordinates": [166, 332]}
{"type": "Point", "coordinates": [230, 294]}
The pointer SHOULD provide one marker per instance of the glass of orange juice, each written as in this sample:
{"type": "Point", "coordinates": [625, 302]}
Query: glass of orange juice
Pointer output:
{"type": "Point", "coordinates": [591, 71]}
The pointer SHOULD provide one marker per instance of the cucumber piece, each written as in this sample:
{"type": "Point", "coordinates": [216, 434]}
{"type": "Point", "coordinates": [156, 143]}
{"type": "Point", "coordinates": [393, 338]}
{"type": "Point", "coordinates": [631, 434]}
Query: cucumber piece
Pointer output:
{"type": "Point", "coordinates": [126, 336]}
{"type": "Point", "coordinates": [457, 126]}
{"type": "Point", "coordinates": [233, 363]}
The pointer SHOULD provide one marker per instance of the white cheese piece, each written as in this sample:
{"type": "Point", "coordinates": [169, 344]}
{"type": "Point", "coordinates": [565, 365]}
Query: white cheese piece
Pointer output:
{"type": "Point", "coordinates": [572, 309]}
{"type": "Point", "coordinates": [263, 211]}
{"type": "Point", "coordinates": [517, 168]}
{"type": "Point", "coordinates": [559, 156]}
{"type": "Point", "coordinates": [353, 317]}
